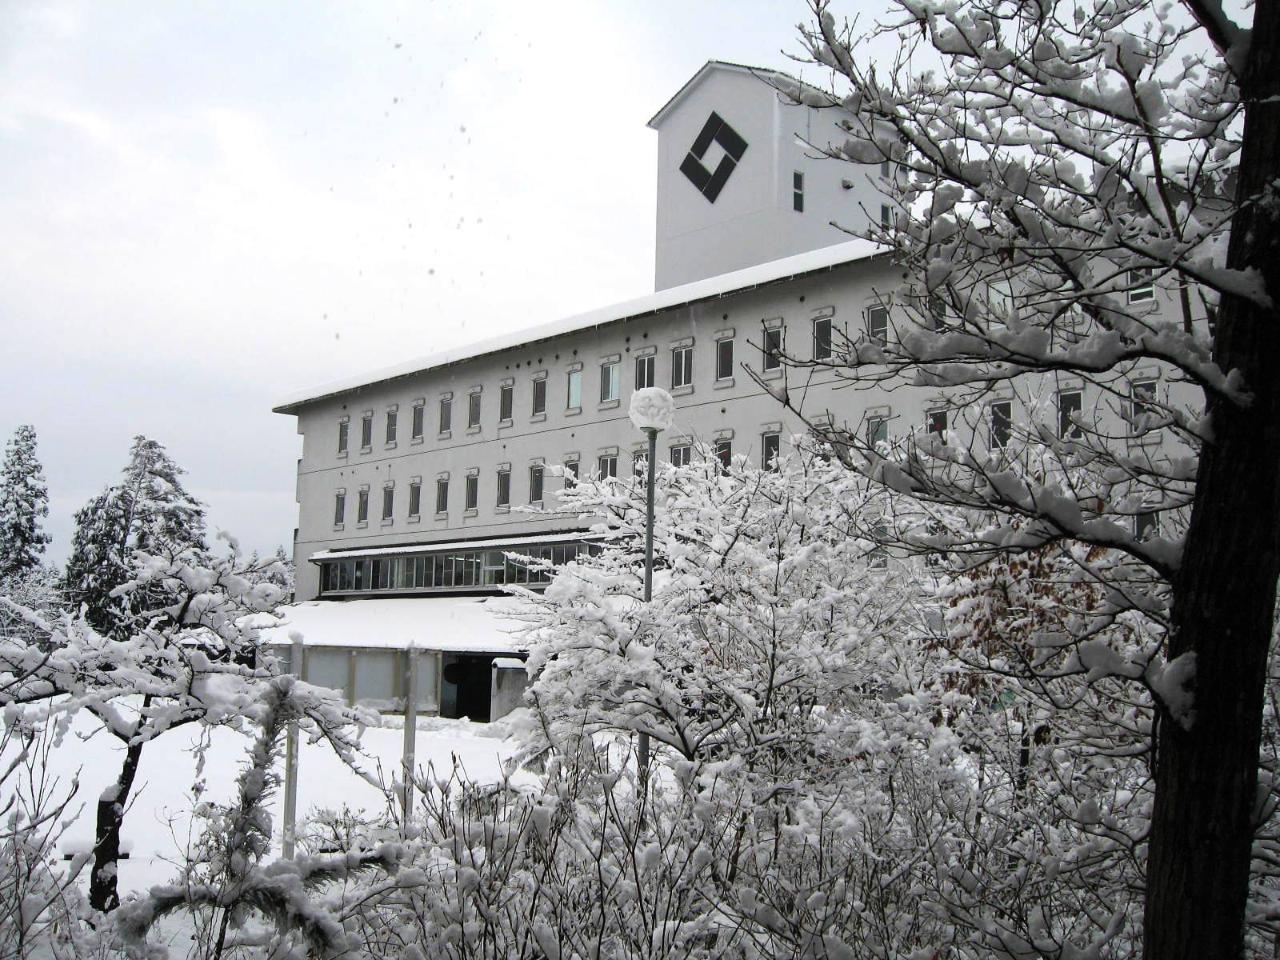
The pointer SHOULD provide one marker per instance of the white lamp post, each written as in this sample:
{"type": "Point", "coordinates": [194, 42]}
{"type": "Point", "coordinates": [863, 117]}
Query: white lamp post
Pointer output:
{"type": "Point", "coordinates": [652, 411]}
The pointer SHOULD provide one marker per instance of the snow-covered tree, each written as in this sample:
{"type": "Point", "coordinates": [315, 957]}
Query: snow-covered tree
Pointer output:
{"type": "Point", "coordinates": [193, 660]}
{"type": "Point", "coordinates": [24, 501]}
{"type": "Point", "coordinates": [1084, 201]}
{"type": "Point", "coordinates": [148, 511]}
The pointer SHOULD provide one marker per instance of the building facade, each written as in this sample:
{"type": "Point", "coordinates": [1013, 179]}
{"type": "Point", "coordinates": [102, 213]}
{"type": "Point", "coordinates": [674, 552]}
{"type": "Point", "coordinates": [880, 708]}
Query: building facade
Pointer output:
{"type": "Point", "coordinates": [413, 480]}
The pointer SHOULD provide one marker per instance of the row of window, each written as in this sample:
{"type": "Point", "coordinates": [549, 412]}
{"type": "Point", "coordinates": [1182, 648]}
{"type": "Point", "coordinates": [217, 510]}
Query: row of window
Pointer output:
{"type": "Point", "coordinates": [458, 569]}
{"type": "Point", "coordinates": [610, 388]}
{"type": "Point", "coordinates": [681, 454]}
{"type": "Point", "coordinates": [1141, 414]}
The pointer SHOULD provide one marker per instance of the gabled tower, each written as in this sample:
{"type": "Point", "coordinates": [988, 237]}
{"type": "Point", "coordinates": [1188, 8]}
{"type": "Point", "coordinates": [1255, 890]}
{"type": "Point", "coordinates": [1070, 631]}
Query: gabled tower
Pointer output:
{"type": "Point", "coordinates": [738, 184]}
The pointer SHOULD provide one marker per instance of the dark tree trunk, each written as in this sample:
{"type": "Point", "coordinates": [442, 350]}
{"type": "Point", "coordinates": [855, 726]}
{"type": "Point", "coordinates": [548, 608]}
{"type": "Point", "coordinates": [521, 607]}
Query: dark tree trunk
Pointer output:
{"type": "Point", "coordinates": [104, 893]}
{"type": "Point", "coordinates": [1224, 593]}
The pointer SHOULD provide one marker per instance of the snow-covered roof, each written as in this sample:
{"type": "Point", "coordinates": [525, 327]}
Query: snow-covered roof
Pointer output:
{"type": "Point", "coordinates": [492, 543]}
{"type": "Point", "coordinates": [462, 624]}
{"type": "Point", "coordinates": [763, 73]}
{"type": "Point", "coordinates": [786, 268]}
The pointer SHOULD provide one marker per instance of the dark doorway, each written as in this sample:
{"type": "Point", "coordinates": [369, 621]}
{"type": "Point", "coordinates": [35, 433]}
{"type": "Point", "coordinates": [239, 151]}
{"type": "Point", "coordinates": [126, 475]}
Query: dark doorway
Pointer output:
{"type": "Point", "coordinates": [466, 686]}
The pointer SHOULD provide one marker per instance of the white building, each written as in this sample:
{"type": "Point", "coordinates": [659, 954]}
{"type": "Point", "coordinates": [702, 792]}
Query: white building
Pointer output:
{"type": "Point", "coordinates": [409, 475]}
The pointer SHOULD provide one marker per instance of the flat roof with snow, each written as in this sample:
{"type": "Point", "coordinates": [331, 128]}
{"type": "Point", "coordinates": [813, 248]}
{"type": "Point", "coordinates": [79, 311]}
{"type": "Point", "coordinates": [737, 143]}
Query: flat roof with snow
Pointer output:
{"type": "Point", "coordinates": [450, 624]}
{"type": "Point", "coordinates": [492, 543]}
{"type": "Point", "coordinates": [811, 261]}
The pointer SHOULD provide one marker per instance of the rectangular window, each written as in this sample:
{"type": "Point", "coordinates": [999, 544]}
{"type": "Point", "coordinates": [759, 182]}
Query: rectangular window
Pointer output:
{"type": "Point", "coordinates": [1001, 424]}
{"type": "Point", "coordinates": [442, 495]}
{"type": "Point", "coordinates": [1142, 409]}
{"type": "Point", "coordinates": [877, 324]}
{"type": "Point", "coordinates": [886, 216]}
{"type": "Point", "coordinates": [366, 431]}
{"type": "Point", "coordinates": [1141, 285]}
{"type": "Point", "coordinates": [362, 507]}
{"type": "Point", "coordinates": [937, 311]}
{"type": "Point", "coordinates": [539, 396]}
{"type": "Point", "coordinates": [681, 455]}
{"type": "Point", "coordinates": [884, 169]}
{"type": "Point", "coordinates": [506, 401]}
{"type": "Point", "coordinates": [1146, 525]}
{"type": "Point", "coordinates": [877, 431]}
{"type": "Point", "coordinates": [607, 467]}
{"type": "Point", "coordinates": [1070, 404]}
{"type": "Point", "coordinates": [573, 390]}
{"type": "Point", "coordinates": [637, 464]}
{"type": "Point", "coordinates": [339, 508]}
{"type": "Point", "coordinates": [644, 372]}
{"type": "Point", "coordinates": [473, 409]}
{"type": "Point", "coordinates": [446, 414]}
{"type": "Point", "coordinates": [391, 426]}
{"type": "Point", "coordinates": [681, 367]}
{"type": "Point", "coordinates": [610, 382]}
{"type": "Point", "coordinates": [504, 488]}
{"type": "Point", "coordinates": [822, 338]}
{"type": "Point", "coordinates": [769, 444]}
{"type": "Point", "coordinates": [418, 416]}
{"type": "Point", "coordinates": [471, 492]}
{"type": "Point", "coordinates": [797, 192]}
{"type": "Point", "coordinates": [535, 484]}
{"type": "Point", "coordinates": [388, 502]}
{"type": "Point", "coordinates": [415, 498]}
{"type": "Point", "coordinates": [570, 474]}
{"type": "Point", "coordinates": [724, 453]}
{"type": "Point", "coordinates": [343, 431]}
{"type": "Point", "coordinates": [935, 422]}
{"type": "Point", "coordinates": [724, 359]}
{"type": "Point", "coordinates": [771, 349]}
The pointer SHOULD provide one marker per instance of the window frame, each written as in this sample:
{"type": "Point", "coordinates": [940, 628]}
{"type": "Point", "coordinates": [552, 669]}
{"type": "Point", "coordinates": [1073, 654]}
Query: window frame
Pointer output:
{"type": "Point", "coordinates": [724, 362]}
{"type": "Point", "coordinates": [388, 502]}
{"type": "Point", "coordinates": [770, 438]}
{"type": "Point", "coordinates": [683, 458]}
{"type": "Point", "coordinates": [681, 367]}
{"type": "Point", "coordinates": [344, 437]}
{"type": "Point", "coordinates": [931, 425]}
{"type": "Point", "coordinates": [1139, 291]}
{"type": "Point", "coordinates": [444, 421]}
{"type": "Point", "coordinates": [1067, 430]}
{"type": "Point", "coordinates": [362, 505]}
{"type": "Point", "coordinates": [611, 459]}
{"type": "Point", "coordinates": [418, 421]}
{"type": "Point", "coordinates": [506, 402]}
{"type": "Point", "coordinates": [475, 409]}
{"type": "Point", "coordinates": [538, 405]}
{"type": "Point", "coordinates": [610, 381]}
{"type": "Point", "coordinates": [878, 319]}
{"type": "Point", "coordinates": [392, 426]}
{"type": "Point", "coordinates": [649, 365]}
{"type": "Point", "coordinates": [366, 431]}
{"type": "Point", "coordinates": [340, 508]}
{"type": "Point", "coordinates": [442, 495]}
{"type": "Point", "coordinates": [822, 349]}
{"type": "Point", "coordinates": [797, 191]}
{"type": "Point", "coordinates": [573, 390]}
{"type": "Point", "coordinates": [771, 349]}
{"type": "Point", "coordinates": [503, 488]}
{"type": "Point", "coordinates": [415, 498]}
{"type": "Point", "coordinates": [999, 434]}
{"type": "Point", "coordinates": [722, 449]}
{"type": "Point", "coordinates": [471, 492]}
{"type": "Point", "coordinates": [537, 482]}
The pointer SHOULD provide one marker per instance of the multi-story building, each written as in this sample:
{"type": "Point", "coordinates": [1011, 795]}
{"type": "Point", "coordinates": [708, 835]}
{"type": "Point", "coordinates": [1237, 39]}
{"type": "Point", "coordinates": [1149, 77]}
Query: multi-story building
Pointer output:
{"type": "Point", "coordinates": [411, 477]}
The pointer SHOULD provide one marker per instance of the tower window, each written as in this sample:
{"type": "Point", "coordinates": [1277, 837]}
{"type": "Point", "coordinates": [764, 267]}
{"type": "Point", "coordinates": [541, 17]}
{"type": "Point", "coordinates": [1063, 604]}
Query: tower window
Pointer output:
{"type": "Point", "coordinates": [797, 192]}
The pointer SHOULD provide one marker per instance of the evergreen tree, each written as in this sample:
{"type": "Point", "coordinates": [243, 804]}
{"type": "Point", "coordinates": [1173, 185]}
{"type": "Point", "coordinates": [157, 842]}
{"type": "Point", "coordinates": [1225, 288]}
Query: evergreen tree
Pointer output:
{"type": "Point", "coordinates": [149, 511]}
{"type": "Point", "coordinates": [24, 500]}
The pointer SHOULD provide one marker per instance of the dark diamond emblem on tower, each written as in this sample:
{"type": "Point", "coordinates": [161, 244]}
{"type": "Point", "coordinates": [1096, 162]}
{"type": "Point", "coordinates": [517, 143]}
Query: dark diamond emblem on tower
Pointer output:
{"type": "Point", "coordinates": [711, 182]}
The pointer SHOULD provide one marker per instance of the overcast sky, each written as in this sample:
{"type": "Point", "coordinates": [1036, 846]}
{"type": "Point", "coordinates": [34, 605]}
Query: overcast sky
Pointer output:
{"type": "Point", "coordinates": [204, 206]}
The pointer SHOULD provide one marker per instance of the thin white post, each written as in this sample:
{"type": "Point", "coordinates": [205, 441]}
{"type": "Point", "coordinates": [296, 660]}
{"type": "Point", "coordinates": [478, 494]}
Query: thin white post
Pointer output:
{"type": "Point", "coordinates": [291, 762]}
{"type": "Point", "coordinates": [407, 761]}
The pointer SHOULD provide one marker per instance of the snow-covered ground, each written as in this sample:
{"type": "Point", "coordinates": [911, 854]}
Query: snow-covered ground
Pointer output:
{"type": "Point", "coordinates": [158, 827]}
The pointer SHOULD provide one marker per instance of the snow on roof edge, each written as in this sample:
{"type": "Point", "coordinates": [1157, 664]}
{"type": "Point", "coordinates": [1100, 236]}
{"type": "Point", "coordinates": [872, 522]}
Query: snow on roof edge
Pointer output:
{"type": "Point", "coordinates": [491, 542]}
{"type": "Point", "coordinates": [785, 268]}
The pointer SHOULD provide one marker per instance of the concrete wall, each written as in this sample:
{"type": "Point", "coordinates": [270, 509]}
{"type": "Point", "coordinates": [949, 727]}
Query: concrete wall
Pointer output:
{"type": "Point", "coordinates": [752, 220]}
